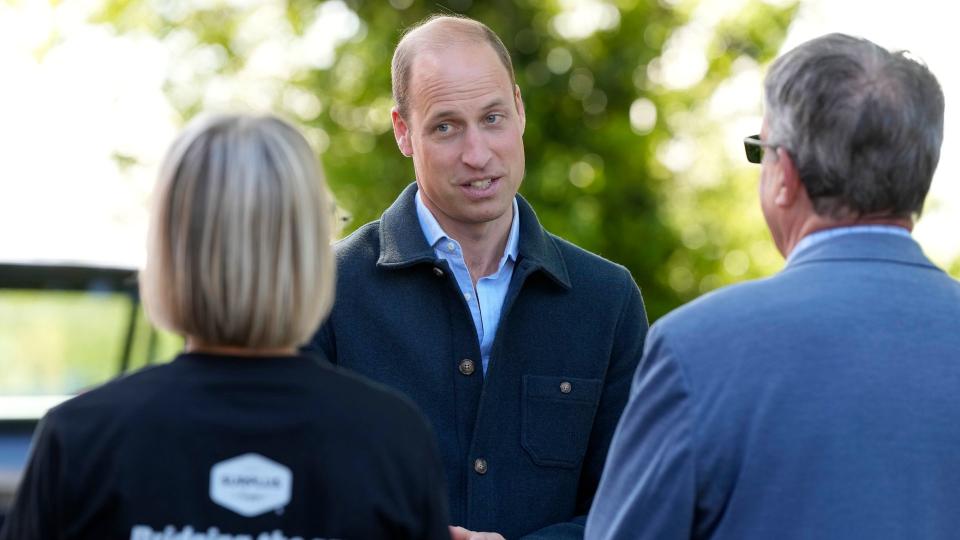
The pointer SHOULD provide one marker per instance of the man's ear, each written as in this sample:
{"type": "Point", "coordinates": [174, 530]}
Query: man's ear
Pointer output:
{"type": "Point", "coordinates": [791, 187]}
{"type": "Point", "coordinates": [401, 132]}
{"type": "Point", "coordinates": [518, 99]}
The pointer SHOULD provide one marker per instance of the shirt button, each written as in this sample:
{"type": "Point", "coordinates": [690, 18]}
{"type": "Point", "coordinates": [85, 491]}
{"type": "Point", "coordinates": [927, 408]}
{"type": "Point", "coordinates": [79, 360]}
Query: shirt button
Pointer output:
{"type": "Point", "coordinates": [451, 247]}
{"type": "Point", "coordinates": [466, 366]}
{"type": "Point", "coordinates": [480, 466]}
{"type": "Point", "coordinates": [437, 272]}
{"type": "Point", "coordinates": [467, 296]}
{"type": "Point", "coordinates": [566, 387]}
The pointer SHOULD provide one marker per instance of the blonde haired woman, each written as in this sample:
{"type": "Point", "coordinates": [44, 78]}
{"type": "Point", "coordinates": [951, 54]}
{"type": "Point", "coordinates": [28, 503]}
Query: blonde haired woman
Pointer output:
{"type": "Point", "coordinates": [239, 436]}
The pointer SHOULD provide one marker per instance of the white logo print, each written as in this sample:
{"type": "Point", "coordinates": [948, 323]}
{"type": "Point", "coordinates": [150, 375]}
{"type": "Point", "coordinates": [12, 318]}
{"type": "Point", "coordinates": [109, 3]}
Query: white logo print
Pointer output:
{"type": "Point", "coordinates": [250, 484]}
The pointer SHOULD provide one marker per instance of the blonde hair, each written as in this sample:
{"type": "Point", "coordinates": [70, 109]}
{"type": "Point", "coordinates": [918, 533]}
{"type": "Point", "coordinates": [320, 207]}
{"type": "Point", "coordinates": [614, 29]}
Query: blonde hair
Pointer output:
{"type": "Point", "coordinates": [239, 248]}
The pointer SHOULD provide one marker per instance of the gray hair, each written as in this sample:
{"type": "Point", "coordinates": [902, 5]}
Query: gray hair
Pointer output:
{"type": "Point", "coordinates": [239, 250]}
{"type": "Point", "coordinates": [439, 32]}
{"type": "Point", "coordinates": [862, 124]}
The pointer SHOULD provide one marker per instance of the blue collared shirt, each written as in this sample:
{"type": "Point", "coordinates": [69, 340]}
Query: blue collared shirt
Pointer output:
{"type": "Point", "coordinates": [818, 237]}
{"type": "Point", "coordinates": [486, 301]}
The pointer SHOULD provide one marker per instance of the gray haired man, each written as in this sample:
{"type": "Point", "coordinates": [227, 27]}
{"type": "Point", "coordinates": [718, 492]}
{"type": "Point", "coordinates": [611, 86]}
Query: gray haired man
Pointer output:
{"type": "Point", "coordinates": [821, 402]}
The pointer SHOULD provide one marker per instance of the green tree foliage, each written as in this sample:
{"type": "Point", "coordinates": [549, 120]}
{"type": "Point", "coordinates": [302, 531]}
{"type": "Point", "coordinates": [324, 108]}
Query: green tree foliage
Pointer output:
{"type": "Point", "coordinates": [618, 162]}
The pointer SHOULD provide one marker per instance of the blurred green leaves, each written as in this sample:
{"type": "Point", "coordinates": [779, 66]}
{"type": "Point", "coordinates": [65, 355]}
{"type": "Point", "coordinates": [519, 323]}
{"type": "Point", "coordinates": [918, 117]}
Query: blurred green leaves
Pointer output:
{"type": "Point", "coordinates": [635, 111]}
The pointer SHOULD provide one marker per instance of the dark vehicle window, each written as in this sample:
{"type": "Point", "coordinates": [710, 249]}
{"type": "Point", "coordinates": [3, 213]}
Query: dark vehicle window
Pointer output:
{"type": "Point", "coordinates": [61, 342]}
{"type": "Point", "coordinates": [63, 329]}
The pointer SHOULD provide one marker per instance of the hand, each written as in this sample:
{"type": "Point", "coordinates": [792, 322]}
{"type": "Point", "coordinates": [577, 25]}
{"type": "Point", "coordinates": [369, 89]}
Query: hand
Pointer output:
{"type": "Point", "coordinates": [459, 533]}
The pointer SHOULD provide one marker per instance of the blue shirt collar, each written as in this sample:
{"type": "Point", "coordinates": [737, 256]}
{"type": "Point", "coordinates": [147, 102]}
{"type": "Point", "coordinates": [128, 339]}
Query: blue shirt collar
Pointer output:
{"type": "Point", "coordinates": [821, 236]}
{"type": "Point", "coordinates": [434, 233]}
{"type": "Point", "coordinates": [402, 243]}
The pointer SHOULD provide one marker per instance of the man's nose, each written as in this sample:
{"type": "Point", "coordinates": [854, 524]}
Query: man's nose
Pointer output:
{"type": "Point", "coordinates": [476, 150]}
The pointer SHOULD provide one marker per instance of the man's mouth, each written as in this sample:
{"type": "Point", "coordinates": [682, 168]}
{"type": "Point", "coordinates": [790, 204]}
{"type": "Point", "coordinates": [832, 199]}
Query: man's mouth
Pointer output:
{"type": "Point", "coordinates": [481, 188]}
{"type": "Point", "coordinates": [481, 184]}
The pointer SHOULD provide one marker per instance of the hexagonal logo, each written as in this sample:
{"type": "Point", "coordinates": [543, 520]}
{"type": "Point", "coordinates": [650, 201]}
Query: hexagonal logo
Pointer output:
{"type": "Point", "coordinates": [250, 484]}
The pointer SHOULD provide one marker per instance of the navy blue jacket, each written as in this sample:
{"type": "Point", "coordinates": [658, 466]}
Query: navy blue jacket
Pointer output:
{"type": "Point", "coordinates": [821, 403]}
{"type": "Point", "coordinates": [524, 444]}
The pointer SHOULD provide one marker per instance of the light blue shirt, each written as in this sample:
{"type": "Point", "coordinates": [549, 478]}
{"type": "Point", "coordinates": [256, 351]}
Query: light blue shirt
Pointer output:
{"type": "Point", "coordinates": [486, 301]}
{"type": "Point", "coordinates": [818, 237]}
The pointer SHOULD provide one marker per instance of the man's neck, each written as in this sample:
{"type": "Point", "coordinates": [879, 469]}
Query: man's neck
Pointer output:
{"type": "Point", "coordinates": [483, 244]}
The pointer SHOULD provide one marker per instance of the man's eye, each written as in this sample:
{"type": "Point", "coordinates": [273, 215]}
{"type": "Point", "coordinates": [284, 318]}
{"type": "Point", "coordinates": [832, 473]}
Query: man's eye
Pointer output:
{"type": "Point", "coordinates": [443, 128]}
{"type": "Point", "coordinates": [494, 118]}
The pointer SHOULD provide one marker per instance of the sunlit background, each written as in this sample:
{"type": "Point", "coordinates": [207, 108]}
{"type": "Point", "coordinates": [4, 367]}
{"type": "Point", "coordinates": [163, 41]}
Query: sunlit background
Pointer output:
{"type": "Point", "coordinates": [647, 167]}
{"type": "Point", "coordinates": [86, 112]}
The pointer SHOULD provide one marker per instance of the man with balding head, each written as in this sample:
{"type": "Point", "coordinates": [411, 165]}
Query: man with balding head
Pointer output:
{"type": "Point", "coordinates": [820, 403]}
{"type": "Point", "coordinates": [517, 345]}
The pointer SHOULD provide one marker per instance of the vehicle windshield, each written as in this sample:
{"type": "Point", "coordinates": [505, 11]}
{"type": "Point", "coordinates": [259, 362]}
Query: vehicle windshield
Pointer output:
{"type": "Point", "coordinates": [64, 329]}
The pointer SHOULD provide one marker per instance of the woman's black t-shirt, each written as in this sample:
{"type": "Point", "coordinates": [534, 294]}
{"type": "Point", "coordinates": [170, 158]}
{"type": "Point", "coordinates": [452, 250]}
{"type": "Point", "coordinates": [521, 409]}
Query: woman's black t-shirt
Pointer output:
{"type": "Point", "coordinates": [226, 448]}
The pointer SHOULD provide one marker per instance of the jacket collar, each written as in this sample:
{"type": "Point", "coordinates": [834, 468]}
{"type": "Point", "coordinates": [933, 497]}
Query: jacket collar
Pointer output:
{"type": "Point", "coordinates": [864, 246]}
{"type": "Point", "coordinates": [402, 242]}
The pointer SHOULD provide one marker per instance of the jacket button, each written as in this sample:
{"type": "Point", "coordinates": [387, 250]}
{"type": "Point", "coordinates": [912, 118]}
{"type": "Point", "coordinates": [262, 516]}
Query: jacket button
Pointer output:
{"type": "Point", "coordinates": [566, 387]}
{"type": "Point", "coordinates": [437, 271]}
{"type": "Point", "coordinates": [480, 466]}
{"type": "Point", "coordinates": [467, 366]}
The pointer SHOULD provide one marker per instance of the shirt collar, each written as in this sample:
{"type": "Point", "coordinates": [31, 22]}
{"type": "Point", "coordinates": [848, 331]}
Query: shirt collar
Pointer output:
{"type": "Point", "coordinates": [434, 233]}
{"type": "Point", "coordinates": [403, 244]}
{"type": "Point", "coordinates": [821, 236]}
{"type": "Point", "coordinates": [428, 223]}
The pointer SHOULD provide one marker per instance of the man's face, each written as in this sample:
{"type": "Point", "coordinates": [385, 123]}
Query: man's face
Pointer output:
{"type": "Point", "coordinates": [464, 129]}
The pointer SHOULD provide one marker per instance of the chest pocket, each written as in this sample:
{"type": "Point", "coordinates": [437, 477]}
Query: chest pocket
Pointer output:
{"type": "Point", "coordinates": [557, 418]}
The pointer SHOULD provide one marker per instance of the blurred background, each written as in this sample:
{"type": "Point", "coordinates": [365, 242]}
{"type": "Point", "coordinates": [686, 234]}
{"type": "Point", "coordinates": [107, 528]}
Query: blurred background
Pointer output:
{"type": "Point", "coordinates": [636, 110]}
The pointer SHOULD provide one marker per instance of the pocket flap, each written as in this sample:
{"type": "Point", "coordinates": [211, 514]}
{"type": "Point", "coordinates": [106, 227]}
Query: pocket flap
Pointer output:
{"type": "Point", "coordinates": [557, 418]}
